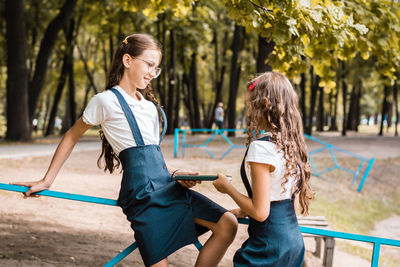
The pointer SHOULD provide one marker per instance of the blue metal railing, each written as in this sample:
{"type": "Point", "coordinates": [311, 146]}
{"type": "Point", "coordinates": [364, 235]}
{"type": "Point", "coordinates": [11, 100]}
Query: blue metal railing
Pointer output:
{"type": "Point", "coordinates": [376, 241]}
{"type": "Point", "coordinates": [214, 132]}
{"type": "Point", "coordinates": [317, 173]}
{"type": "Point", "coordinates": [332, 149]}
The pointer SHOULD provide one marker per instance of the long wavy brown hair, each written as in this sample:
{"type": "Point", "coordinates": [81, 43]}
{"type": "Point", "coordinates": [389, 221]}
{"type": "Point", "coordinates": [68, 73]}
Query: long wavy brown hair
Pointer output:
{"type": "Point", "coordinates": [134, 45]}
{"type": "Point", "coordinates": [272, 106]}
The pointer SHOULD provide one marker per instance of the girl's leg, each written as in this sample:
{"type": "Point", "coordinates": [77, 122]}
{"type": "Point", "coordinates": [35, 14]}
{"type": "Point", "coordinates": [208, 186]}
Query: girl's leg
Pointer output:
{"type": "Point", "coordinates": [161, 263]}
{"type": "Point", "coordinates": [223, 233]}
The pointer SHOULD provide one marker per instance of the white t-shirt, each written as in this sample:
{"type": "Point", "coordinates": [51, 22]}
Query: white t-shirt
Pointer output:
{"type": "Point", "coordinates": [105, 110]}
{"type": "Point", "coordinates": [267, 153]}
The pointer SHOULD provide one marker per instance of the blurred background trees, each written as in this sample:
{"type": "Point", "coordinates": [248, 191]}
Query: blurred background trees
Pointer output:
{"type": "Point", "coordinates": [341, 56]}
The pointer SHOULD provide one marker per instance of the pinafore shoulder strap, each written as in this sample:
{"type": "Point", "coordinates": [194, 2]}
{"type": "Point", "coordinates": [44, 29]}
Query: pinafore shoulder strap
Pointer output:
{"type": "Point", "coordinates": [243, 174]}
{"type": "Point", "coordinates": [132, 121]}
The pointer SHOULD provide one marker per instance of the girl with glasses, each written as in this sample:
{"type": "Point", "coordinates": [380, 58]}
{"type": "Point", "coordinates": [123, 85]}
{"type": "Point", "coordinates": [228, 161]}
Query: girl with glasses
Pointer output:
{"type": "Point", "coordinates": [164, 214]}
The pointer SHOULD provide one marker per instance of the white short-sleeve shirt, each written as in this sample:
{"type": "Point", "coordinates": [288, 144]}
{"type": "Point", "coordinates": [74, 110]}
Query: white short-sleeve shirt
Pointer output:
{"type": "Point", "coordinates": [105, 110]}
{"type": "Point", "coordinates": [267, 153]}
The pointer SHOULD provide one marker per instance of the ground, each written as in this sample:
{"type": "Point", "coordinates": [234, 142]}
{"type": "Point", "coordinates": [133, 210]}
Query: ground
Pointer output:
{"type": "Point", "coordinates": [55, 232]}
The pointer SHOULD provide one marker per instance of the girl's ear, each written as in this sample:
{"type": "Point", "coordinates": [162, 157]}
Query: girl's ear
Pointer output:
{"type": "Point", "coordinates": [126, 60]}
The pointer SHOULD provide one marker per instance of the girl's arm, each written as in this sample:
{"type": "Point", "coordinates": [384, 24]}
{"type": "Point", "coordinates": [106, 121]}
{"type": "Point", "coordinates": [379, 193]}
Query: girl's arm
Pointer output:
{"type": "Point", "coordinates": [63, 151]}
{"type": "Point", "coordinates": [258, 206]}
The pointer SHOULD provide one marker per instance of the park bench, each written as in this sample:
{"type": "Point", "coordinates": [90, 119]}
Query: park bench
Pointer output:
{"type": "Point", "coordinates": [329, 242]}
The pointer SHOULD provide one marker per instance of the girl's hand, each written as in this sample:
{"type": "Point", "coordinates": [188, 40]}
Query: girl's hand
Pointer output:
{"type": "Point", "coordinates": [34, 187]}
{"type": "Point", "coordinates": [222, 183]}
{"type": "Point", "coordinates": [239, 213]}
{"type": "Point", "coordinates": [187, 183]}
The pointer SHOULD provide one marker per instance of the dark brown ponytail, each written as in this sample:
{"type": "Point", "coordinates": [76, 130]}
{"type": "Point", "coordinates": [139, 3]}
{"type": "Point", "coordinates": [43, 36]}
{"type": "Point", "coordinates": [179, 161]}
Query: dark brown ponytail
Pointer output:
{"type": "Point", "coordinates": [133, 45]}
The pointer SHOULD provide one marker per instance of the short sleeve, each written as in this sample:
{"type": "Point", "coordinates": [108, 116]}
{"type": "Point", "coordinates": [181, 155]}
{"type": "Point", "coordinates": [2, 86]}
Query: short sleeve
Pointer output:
{"type": "Point", "coordinates": [262, 152]}
{"type": "Point", "coordinates": [94, 113]}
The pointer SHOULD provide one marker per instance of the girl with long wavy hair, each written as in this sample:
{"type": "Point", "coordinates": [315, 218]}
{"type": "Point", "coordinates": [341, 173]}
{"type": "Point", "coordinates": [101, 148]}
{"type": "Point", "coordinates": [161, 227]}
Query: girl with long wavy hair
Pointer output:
{"type": "Point", "coordinates": [164, 214]}
{"type": "Point", "coordinates": [277, 162]}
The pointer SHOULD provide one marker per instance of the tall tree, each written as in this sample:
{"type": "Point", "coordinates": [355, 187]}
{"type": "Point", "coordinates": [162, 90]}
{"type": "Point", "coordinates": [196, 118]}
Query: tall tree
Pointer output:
{"type": "Point", "coordinates": [265, 48]}
{"type": "Point", "coordinates": [172, 82]}
{"type": "Point", "coordinates": [237, 46]}
{"type": "Point", "coordinates": [18, 122]}
{"type": "Point", "coordinates": [45, 50]}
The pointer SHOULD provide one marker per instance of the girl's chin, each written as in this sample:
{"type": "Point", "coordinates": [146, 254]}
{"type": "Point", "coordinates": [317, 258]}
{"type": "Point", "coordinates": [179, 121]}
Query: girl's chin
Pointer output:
{"type": "Point", "coordinates": [142, 86]}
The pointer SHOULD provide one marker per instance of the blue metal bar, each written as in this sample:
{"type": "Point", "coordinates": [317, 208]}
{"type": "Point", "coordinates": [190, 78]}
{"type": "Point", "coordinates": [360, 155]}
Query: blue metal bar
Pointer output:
{"type": "Point", "coordinates": [226, 153]}
{"type": "Point", "coordinates": [335, 147]}
{"type": "Point", "coordinates": [375, 254]}
{"type": "Point", "coordinates": [121, 255]}
{"type": "Point", "coordinates": [313, 166]}
{"type": "Point", "coordinates": [226, 139]}
{"type": "Point", "coordinates": [377, 241]}
{"type": "Point", "coordinates": [333, 156]}
{"type": "Point", "coordinates": [211, 138]}
{"type": "Point", "coordinates": [365, 174]}
{"type": "Point", "coordinates": [357, 172]}
{"type": "Point", "coordinates": [48, 193]}
{"type": "Point", "coordinates": [318, 150]}
{"type": "Point", "coordinates": [346, 170]}
{"type": "Point", "coordinates": [328, 170]}
{"type": "Point", "coordinates": [209, 152]}
{"type": "Point", "coordinates": [176, 142]}
{"type": "Point", "coordinates": [183, 143]}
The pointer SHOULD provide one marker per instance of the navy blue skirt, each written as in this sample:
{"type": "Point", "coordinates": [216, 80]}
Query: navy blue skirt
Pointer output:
{"type": "Point", "coordinates": [160, 210]}
{"type": "Point", "coordinates": [275, 242]}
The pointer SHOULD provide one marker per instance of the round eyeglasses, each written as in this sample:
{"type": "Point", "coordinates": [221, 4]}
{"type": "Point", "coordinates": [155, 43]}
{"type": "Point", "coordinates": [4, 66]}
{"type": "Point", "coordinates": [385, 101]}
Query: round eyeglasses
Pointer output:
{"type": "Point", "coordinates": [155, 71]}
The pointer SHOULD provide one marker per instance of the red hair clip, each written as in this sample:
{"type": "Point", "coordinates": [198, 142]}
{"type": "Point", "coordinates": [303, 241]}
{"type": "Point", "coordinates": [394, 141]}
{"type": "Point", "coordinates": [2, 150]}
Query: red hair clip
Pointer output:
{"type": "Point", "coordinates": [251, 87]}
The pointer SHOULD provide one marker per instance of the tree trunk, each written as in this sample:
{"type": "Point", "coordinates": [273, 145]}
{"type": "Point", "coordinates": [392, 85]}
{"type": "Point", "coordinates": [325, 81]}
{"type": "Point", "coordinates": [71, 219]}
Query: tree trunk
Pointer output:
{"type": "Point", "coordinates": [46, 48]}
{"type": "Point", "coordinates": [219, 74]}
{"type": "Point", "coordinates": [71, 92]}
{"type": "Point", "coordinates": [314, 90]}
{"type": "Point", "coordinates": [164, 65]}
{"type": "Point", "coordinates": [172, 80]}
{"type": "Point", "coordinates": [303, 99]}
{"type": "Point", "coordinates": [358, 103]}
{"type": "Point", "coordinates": [384, 108]}
{"type": "Point", "coordinates": [396, 107]}
{"type": "Point", "coordinates": [351, 116]}
{"type": "Point", "coordinates": [265, 48]}
{"type": "Point", "coordinates": [86, 97]}
{"type": "Point", "coordinates": [344, 95]}
{"type": "Point", "coordinates": [334, 126]}
{"type": "Point", "coordinates": [66, 122]}
{"type": "Point", "coordinates": [87, 70]}
{"type": "Point", "coordinates": [389, 113]}
{"type": "Point", "coordinates": [321, 112]}
{"type": "Point", "coordinates": [58, 95]}
{"type": "Point", "coordinates": [111, 46]}
{"type": "Point", "coordinates": [46, 114]}
{"type": "Point", "coordinates": [105, 61]}
{"type": "Point", "coordinates": [193, 81]}
{"type": "Point", "coordinates": [177, 102]}
{"type": "Point", "coordinates": [18, 121]}
{"type": "Point", "coordinates": [237, 46]}
{"type": "Point", "coordinates": [187, 98]}
{"type": "Point", "coordinates": [71, 81]}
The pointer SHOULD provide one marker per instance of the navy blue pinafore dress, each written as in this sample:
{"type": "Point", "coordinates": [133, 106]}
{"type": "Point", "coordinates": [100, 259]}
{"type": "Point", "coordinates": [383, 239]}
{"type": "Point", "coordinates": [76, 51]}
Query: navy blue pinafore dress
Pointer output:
{"type": "Point", "coordinates": [277, 241]}
{"type": "Point", "coordinates": [160, 210]}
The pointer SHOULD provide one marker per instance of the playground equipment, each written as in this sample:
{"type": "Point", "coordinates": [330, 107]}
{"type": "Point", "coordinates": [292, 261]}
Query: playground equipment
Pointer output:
{"type": "Point", "coordinates": [376, 241]}
{"type": "Point", "coordinates": [214, 132]}
{"type": "Point", "coordinates": [332, 149]}
{"type": "Point", "coordinates": [317, 173]}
